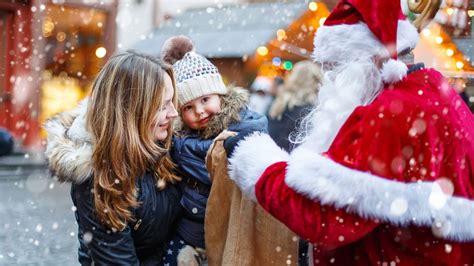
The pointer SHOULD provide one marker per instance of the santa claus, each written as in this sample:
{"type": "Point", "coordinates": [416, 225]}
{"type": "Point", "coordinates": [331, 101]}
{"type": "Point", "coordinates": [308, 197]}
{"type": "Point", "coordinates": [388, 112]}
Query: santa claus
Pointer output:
{"type": "Point", "coordinates": [384, 173]}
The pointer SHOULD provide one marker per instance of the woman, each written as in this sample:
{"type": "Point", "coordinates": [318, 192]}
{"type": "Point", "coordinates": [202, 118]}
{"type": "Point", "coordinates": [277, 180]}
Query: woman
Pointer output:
{"type": "Point", "coordinates": [113, 149]}
{"type": "Point", "coordinates": [298, 96]}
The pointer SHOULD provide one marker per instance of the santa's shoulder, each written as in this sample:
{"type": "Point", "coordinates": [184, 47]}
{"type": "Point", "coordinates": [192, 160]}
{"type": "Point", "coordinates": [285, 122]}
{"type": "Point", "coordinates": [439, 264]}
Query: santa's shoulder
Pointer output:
{"type": "Point", "coordinates": [423, 92]}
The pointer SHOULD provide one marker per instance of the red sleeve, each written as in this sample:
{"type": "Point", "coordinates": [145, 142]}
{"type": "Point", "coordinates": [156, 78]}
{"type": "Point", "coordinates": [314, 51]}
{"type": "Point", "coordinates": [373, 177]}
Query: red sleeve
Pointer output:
{"type": "Point", "coordinates": [379, 139]}
{"type": "Point", "coordinates": [322, 225]}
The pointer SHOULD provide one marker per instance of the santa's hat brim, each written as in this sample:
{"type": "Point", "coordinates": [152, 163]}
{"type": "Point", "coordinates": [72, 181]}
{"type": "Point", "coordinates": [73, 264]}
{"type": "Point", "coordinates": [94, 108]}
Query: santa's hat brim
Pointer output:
{"type": "Point", "coordinates": [339, 43]}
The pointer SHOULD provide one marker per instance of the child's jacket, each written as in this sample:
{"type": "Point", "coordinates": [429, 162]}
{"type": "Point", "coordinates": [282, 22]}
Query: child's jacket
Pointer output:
{"type": "Point", "coordinates": [189, 152]}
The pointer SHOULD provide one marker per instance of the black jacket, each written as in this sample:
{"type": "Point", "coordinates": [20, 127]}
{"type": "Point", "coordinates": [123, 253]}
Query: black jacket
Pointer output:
{"type": "Point", "coordinates": [6, 142]}
{"type": "Point", "coordinates": [280, 129]}
{"type": "Point", "coordinates": [142, 242]}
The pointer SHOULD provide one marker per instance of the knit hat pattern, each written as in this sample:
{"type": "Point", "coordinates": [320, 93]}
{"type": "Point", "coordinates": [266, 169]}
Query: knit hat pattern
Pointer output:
{"type": "Point", "coordinates": [195, 77]}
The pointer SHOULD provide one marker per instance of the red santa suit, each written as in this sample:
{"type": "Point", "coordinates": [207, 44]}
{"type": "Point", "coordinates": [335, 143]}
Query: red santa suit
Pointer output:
{"type": "Point", "coordinates": [396, 185]}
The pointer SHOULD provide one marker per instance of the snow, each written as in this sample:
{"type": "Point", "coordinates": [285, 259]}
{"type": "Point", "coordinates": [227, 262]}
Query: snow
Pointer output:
{"type": "Point", "coordinates": [399, 206]}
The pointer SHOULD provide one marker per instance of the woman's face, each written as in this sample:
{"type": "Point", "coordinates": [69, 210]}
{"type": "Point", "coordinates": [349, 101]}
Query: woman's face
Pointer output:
{"type": "Point", "coordinates": [166, 114]}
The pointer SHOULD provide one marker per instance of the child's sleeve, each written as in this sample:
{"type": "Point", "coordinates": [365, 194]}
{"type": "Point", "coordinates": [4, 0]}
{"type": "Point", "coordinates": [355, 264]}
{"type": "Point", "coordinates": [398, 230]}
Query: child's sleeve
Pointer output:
{"type": "Point", "coordinates": [250, 121]}
{"type": "Point", "coordinates": [192, 146]}
{"type": "Point", "coordinates": [189, 154]}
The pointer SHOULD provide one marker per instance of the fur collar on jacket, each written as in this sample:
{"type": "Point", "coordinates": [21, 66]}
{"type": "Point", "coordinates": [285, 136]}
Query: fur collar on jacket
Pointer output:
{"type": "Point", "coordinates": [231, 105]}
{"type": "Point", "coordinates": [69, 149]}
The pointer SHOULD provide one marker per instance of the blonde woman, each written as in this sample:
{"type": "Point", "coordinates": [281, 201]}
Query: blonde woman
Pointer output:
{"type": "Point", "coordinates": [113, 149]}
{"type": "Point", "coordinates": [294, 101]}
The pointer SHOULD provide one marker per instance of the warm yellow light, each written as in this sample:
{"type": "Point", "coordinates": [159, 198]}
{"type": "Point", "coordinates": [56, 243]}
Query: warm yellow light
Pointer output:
{"type": "Point", "coordinates": [281, 34]}
{"type": "Point", "coordinates": [313, 6]}
{"type": "Point", "coordinates": [450, 11]}
{"type": "Point", "coordinates": [61, 36]}
{"type": "Point", "coordinates": [459, 65]}
{"type": "Point", "coordinates": [262, 50]}
{"type": "Point", "coordinates": [470, 13]}
{"type": "Point", "coordinates": [449, 52]}
{"type": "Point", "coordinates": [48, 27]}
{"type": "Point", "coordinates": [439, 39]}
{"type": "Point", "coordinates": [321, 21]}
{"type": "Point", "coordinates": [100, 52]}
{"type": "Point", "coordinates": [426, 32]}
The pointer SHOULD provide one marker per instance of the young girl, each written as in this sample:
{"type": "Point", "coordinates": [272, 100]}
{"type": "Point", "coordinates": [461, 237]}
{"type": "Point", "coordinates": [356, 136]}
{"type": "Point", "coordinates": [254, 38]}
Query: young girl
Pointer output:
{"type": "Point", "coordinates": [113, 149]}
{"type": "Point", "coordinates": [206, 108]}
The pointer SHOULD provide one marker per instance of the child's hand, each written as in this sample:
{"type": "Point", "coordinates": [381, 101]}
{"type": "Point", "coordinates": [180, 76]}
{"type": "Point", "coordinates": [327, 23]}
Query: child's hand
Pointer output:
{"type": "Point", "coordinates": [225, 134]}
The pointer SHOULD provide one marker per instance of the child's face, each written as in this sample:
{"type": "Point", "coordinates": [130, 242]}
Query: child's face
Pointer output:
{"type": "Point", "coordinates": [197, 113]}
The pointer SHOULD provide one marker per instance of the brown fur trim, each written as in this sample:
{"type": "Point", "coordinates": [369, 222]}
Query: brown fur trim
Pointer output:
{"type": "Point", "coordinates": [231, 105]}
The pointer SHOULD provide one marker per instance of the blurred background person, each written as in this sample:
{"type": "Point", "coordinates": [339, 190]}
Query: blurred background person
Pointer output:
{"type": "Point", "coordinates": [6, 142]}
{"type": "Point", "coordinates": [297, 96]}
{"type": "Point", "coordinates": [261, 96]}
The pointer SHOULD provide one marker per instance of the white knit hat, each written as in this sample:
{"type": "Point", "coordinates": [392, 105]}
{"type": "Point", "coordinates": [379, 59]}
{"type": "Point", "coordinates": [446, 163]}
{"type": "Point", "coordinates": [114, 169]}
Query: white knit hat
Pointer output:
{"type": "Point", "coordinates": [195, 77]}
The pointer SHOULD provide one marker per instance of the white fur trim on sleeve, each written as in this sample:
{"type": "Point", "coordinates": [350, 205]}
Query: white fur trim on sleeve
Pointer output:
{"type": "Point", "coordinates": [421, 203]}
{"type": "Point", "coordinates": [393, 71]}
{"type": "Point", "coordinates": [250, 159]}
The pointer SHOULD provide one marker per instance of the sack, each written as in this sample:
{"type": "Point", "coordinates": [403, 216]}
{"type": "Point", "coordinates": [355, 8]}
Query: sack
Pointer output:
{"type": "Point", "coordinates": [237, 230]}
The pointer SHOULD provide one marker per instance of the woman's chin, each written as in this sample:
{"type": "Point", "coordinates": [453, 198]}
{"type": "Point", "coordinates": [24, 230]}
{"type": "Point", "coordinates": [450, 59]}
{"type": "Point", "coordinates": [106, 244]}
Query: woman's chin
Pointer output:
{"type": "Point", "coordinates": [161, 136]}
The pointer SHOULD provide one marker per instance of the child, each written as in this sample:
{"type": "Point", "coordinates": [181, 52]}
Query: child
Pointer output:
{"type": "Point", "coordinates": [206, 108]}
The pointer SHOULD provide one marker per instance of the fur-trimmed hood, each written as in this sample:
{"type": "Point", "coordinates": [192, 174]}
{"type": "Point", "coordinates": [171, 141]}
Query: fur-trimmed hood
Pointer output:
{"type": "Point", "coordinates": [69, 149]}
{"type": "Point", "coordinates": [232, 103]}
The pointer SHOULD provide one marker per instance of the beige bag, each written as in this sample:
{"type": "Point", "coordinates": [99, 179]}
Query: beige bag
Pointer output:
{"type": "Point", "coordinates": [239, 231]}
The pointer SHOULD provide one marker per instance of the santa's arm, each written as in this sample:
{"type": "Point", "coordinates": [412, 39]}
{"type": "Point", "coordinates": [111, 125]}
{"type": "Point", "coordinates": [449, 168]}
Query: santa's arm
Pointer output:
{"type": "Point", "coordinates": [327, 203]}
{"type": "Point", "coordinates": [324, 226]}
{"type": "Point", "coordinates": [258, 166]}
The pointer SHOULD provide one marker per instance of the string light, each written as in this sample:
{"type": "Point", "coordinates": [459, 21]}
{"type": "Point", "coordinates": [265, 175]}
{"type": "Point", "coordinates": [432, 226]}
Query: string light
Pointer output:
{"type": "Point", "coordinates": [100, 52]}
{"type": "Point", "coordinates": [439, 39]}
{"type": "Point", "coordinates": [321, 21]}
{"type": "Point", "coordinates": [262, 50]}
{"type": "Point", "coordinates": [450, 11]}
{"type": "Point", "coordinates": [281, 34]}
{"type": "Point", "coordinates": [426, 32]}
{"type": "Point", "coordinates": [276, 61]}
{"type": "Point", "coordinates": [470, 13]}
{"type": "Point", "coordinates": [459, 65]}
{"type": "Point", "coordinates": [449, 52]}
{"type": "Point", "coordinates": [313, 6]}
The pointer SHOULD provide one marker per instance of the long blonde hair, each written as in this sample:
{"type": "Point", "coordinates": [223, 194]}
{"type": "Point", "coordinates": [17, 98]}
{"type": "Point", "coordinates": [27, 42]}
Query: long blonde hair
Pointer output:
{"type": "Point", "coordinates": [300, 89]}
{"type": "Point", "coordinates": [125, 97]}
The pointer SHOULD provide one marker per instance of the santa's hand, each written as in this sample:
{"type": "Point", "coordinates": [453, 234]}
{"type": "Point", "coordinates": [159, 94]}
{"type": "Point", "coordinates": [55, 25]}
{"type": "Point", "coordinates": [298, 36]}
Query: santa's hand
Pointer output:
{"type": "Point", "coordinates": [231, 143]}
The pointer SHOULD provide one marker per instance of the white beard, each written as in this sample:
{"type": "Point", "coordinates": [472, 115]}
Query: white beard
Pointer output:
{"type": "Point", "coordinates": [343, 89]}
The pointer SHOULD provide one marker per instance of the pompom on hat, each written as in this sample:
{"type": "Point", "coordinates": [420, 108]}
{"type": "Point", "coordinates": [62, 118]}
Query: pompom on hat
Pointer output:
{"type": "Point", "coordinates": [380, 27]}
{"type": "Point", "coordinates": [195, 75]}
